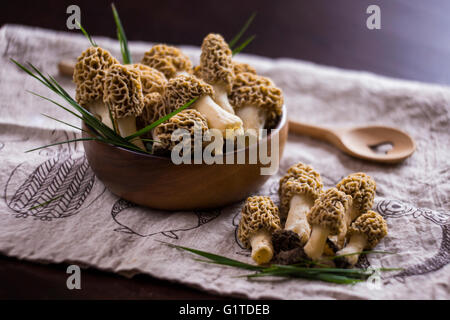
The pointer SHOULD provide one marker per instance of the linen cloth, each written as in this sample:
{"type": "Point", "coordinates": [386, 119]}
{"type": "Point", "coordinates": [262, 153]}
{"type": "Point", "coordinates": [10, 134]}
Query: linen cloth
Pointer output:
{"type": "Point", "coordinates": [87, 225]}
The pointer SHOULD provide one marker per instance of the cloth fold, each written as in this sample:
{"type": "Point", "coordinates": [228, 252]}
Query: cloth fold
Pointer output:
{"type": "Point", "coordinates": [84, 223]}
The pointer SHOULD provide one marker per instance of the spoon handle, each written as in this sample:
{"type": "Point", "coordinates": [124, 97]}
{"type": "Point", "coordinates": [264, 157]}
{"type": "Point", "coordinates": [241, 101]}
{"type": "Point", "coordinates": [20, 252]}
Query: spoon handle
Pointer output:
{"type": "Point", "coordinates": [315, 132]}
{"type": "Point", "coordinates": [66, 67]}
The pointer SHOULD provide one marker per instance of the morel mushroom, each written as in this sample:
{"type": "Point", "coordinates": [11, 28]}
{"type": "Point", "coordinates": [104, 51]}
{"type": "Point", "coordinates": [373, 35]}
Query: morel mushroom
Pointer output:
{"type": "Point", "coordinates": [257, 101]}
{"type": "Point", "coordinates": [151, 79]}
{"type": "Point", "coordinates": [190, 120]}
{"type": "Point", "coordinates": [123, 94]}
{"type": "Point", "coordinates": [216, 68]}
{"type": "Point", "coordinates": [154, 109]}
{"type": "Point", "coordinates": [240, 67]}
{"type": "Point", "coordinates": [259, 220]}
{"type": "Point", "coordinates": [168, 60]}
{"type": "Point", "coordinates": [361, 188]}
{"type": "Point", "coordinates": [89, 76]}
{"type": "Point", "coordinates": [327, 217]}
{"type": "Point", "coordinates": [183, 89]}
{"type": "Point", "coordinates": [365, 233]}
{"type": "Point", "coordinates": [299, 188]}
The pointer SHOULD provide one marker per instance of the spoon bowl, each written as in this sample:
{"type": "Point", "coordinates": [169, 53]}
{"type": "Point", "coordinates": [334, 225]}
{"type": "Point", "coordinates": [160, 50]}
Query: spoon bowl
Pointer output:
{"type": "Point", "coordinates": [361, 142]}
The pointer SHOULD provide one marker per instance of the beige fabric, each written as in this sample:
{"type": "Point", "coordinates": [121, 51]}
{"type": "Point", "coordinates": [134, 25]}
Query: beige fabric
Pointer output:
{"type": "Point", "coordinates": [88, 225]}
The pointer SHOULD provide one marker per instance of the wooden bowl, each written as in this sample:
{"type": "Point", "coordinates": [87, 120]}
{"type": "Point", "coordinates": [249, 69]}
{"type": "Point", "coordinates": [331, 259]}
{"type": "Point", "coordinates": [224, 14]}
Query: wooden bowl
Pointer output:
{"type": "Point", "coordinates": [156, 182]}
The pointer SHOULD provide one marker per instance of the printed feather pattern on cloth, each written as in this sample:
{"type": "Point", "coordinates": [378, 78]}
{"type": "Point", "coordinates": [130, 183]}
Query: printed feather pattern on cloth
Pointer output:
{"type": "Point", "coordinates": [56, 189]}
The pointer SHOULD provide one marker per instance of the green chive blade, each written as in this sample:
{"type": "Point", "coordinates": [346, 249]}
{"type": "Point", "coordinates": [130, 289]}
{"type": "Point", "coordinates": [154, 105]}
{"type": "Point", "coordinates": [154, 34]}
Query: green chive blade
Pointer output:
{"type": "Point", "coordinates": [242, 31]}
{"type": "Point", "coordinates": [159, 121]}
{"type": "Point", "coordinates": [126, 56]}
{"type": "Point", "coordinates": [45, 203]}
{"type": "Point", "coordinates": [243, 45]}
{"type": "Point", "coordinates": [85, 33]}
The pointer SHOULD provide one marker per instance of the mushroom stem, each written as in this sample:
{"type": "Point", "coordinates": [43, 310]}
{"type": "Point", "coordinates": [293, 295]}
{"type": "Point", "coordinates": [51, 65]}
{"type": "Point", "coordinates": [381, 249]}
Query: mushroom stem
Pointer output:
{"type": "Point", "coordinates": [221, 97]}
{"type": "Point", "coordinates": [100, 109]}
{"type": "Point", "coordinates": [229, 124]}
{"type": "Point", "coordinates": [297, 220]}
{"type": "Point", "coordinates": [262, 249]}
{"type": "Point", "coordinates": [357, 243]}
{"type": "Point", "coordinates": [252, 118]}
{"type": "Point", "coordinates": [316, 243]}
{"type": "Point", "coordinates": [127, 127]}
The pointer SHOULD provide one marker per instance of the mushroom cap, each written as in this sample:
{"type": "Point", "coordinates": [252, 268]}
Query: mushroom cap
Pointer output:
{"type": "Point", "coordinates": [372, 225]}
{"type": "Point", "coordinates": [240, 67]}
{"type": "Point", "coordinates": [89, 73]}
{"type": "Point", "coordinates": [152, 80]}
{"type": "Point", "coordinates": [154, 109]}
{"type": "Point", "coordinates": [123, 91]}
{"type": "Point", "coordinates": [182, 89]}
{"type": "Point", "coordinates": [190, 120]}
{"type": "Point", "coordinates": [167, 59]}
{"type": "Point", "coordinates": [216, 64]}
{"type": "Point", "coordinates": [197, 72]}
{"type": "Point", "coordinates": [329, 211]}
{"type": "Point", "coordinates": [361, 188]}
{"type": "Point", "coordinates": [253, 90]}
{"type": "Point", "coordinates": [300, 179]}
{"type": "Point", "coordinates": [259, 212]}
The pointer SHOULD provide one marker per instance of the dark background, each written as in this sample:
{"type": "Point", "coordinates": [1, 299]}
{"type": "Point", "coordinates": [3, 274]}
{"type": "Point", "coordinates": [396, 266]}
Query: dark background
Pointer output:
{"type": "Point", "coordinates": [413, 43]}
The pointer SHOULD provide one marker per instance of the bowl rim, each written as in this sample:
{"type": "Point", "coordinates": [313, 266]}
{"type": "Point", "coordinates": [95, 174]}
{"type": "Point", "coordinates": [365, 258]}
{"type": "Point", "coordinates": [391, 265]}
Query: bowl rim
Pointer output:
{"type": "Point", "coordinates": [281, 123]}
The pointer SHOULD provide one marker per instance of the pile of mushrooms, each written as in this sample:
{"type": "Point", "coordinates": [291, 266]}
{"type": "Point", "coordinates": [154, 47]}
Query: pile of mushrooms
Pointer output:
{"type": "Point", "coordinates": [230, 96]}
{"type": "Point", "coordinates": [313, 223]}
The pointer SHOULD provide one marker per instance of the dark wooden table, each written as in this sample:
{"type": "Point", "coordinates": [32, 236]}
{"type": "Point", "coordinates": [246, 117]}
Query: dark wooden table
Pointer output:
{"type": "Point", "coordinates": [413, 43]}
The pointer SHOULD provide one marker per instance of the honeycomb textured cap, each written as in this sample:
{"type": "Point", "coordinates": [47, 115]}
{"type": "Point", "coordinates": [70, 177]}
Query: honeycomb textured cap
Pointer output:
{"type": "Point", "coordinates": [329, 211]}
{"type": "Point", "coordinates": [167, 59]}
{"type": "Point", "coordinates": [190, 120]}
{"type": "Point", "coordinates": [216, 64]}
{"type": "Point", "coordinates": [253, 90]}
{"type": "Point", "coordinates": [372, 225]}
{"type": "Point", "coordinates": [154, 109]}
{"type": "Point", "coordinates": [123, 91]}
{"type": "Point", "coordinates": [197, 72]}
{"type": "Point", "coordinates": [151, 79]}
{"type": "Point", "coordinates": [259, 212]}
{"type": "Point", "coordinates": [361, 188]}
{"type": "Point", "coordinates": [182, 89]}
{"type": "Point", "coordinates": [89, 74]}
{"type": "Point", "coordinates": [299, 179]}
{"type": "Point", "coordinates": [239, 67]}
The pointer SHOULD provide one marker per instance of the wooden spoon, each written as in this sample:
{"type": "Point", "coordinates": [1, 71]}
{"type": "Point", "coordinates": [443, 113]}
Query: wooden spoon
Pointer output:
{"type": "Point", "coordinates": [360, 142]}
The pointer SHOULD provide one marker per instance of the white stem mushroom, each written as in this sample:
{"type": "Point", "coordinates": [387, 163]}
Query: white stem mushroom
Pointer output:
{"type": "Point", "coordinates": [216, 68]}
{"type": "Point", "coordinates": [299, 188]}
{"type": "Point", "coordinates": [326, 218]}
{"type": "Point", "coordinates": [88, 75]}
{"type": "Point", "coordinates": [99, 109]}
{"type": "Point", "coordinates": [259, 219]}
{"type": "Point", "coordinates": [257, 101]}
{"type": "Point", "coordinates": [365, 233]}
{"type": "Point", "coordinates": [361, 188]}
{"type": "Point", "coordinates": [182, 89]}
{"type": "Point", "coordinates": [123, 93]}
